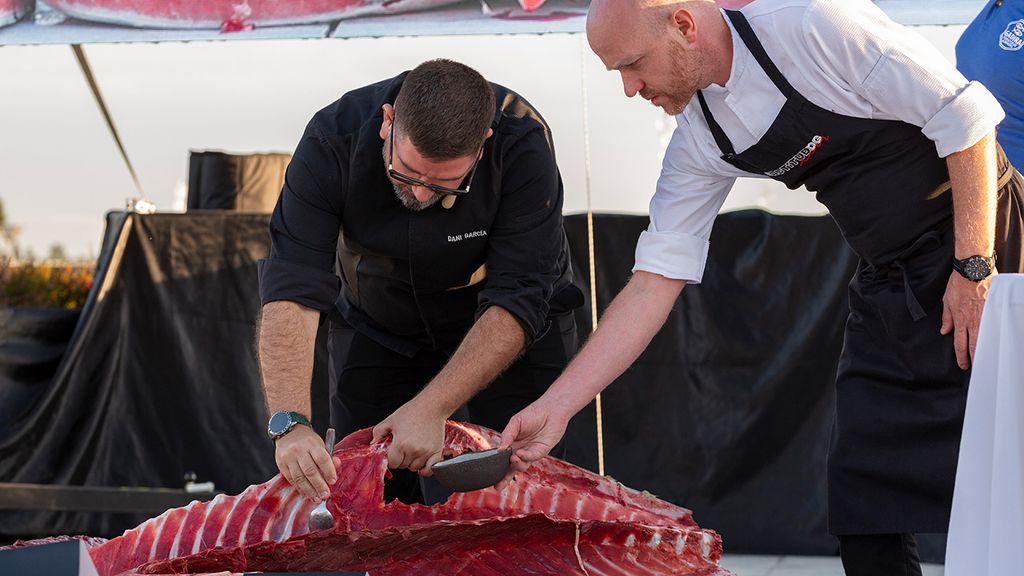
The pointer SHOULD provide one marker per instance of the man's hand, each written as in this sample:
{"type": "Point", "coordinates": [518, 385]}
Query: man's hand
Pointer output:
{"type": "Point", "coordinates": [417, 436]}
{"type": "Point", "coordinates": [962, 305]}
{"type": "Point", "coordinates": [531, 434]}
{"type": "Point", "coordinates": [417, 428]}
{"type": "Point", "coordinates": [305, 463]}
{"type": "Point", "coordinates": [632, 319]}
{"type": "Point", "coordinates": [287, 335]}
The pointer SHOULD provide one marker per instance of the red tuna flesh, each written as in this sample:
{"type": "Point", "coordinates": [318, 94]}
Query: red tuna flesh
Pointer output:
{"type": "Point", "coordinates": [556, 519]}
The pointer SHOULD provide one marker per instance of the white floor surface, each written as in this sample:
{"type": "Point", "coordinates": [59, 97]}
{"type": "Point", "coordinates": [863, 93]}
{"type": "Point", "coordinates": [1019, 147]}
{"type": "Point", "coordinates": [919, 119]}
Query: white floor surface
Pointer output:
{"type": "Point", "coordinates": [744, 565]}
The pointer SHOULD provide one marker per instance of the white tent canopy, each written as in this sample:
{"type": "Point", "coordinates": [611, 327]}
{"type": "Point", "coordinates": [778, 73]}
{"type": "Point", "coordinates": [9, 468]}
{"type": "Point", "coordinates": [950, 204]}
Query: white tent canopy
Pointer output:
{"type": "Point", "coordinates": [62, 170]}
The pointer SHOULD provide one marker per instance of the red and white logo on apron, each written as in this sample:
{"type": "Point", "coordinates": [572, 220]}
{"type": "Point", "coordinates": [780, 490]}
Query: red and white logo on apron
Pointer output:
{"type": "Point", "coordinates": [801, 157]}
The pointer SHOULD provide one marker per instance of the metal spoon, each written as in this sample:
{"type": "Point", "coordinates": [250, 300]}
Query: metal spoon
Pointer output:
{"type": "Point", "coordinates": [320, 518]}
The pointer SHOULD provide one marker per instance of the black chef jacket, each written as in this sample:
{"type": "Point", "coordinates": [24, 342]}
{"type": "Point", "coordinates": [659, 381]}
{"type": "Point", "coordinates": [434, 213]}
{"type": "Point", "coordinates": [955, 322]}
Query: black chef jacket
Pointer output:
{"type": "Point", "coordinates": [410, 280]}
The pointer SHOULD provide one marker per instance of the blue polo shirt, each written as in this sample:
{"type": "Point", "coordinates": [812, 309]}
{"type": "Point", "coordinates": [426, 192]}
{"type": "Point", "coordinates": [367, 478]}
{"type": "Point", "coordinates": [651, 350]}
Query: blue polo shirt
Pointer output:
{"type": "Point", "coordinates": [991, 51]}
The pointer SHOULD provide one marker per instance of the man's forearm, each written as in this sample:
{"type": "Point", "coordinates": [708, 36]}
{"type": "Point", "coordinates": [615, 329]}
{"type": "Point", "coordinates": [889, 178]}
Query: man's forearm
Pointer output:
{"type": "Point", "coordinates": [972, 173]}
{"type": "Point", "coordinates": [625, 330]}
{"type": "Point", "coordinates": [491, 345]}
{"type": "Point", "coordinates": [286, 343]}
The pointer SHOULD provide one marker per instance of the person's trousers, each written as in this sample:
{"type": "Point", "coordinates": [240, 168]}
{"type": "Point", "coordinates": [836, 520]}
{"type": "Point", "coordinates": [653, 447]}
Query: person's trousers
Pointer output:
{"type": "Point", "coordinates": [369, 381]}
{"type": "Point", "coordinates": [880, 555]}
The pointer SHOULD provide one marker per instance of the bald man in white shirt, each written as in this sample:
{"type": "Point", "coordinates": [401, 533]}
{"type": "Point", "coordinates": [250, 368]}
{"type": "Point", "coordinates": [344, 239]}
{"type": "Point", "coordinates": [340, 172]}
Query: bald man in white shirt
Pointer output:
{"type": "Point", "coordinates": [834, 96]}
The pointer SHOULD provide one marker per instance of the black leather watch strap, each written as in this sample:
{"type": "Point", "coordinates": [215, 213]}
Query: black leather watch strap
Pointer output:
{"type": "Point", "coordinates": [975, 268]}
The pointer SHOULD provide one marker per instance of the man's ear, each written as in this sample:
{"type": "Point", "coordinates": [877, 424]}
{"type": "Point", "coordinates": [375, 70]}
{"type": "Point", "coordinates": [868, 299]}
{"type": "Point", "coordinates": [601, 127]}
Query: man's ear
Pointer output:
{"type": "Point", "coordinates": [387, 120]}
{"type": "Point", "coordinates": [685, 24]}
{"type": "Point", "coordinates": [490, 132]}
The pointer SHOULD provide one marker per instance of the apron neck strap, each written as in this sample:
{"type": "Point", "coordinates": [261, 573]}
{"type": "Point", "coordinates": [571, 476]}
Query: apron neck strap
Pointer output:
{"type": "Point", "coordinates": [739, 21]}
{"type": "Point", "coordinates": [724, 144]}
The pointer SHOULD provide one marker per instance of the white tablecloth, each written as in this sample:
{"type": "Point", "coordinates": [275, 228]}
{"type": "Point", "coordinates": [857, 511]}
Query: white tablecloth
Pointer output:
{"type": "Point", "coordinates": [986, 532]}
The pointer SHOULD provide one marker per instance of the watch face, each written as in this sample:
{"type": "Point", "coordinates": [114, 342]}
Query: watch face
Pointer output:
{"type": "Point", "coordinates": [279, 423]}
{"type": "Point", "coordinates": [977, 268]}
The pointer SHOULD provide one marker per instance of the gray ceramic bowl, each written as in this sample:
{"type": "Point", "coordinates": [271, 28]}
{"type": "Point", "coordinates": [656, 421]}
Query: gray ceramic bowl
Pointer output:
{"type": "Point", "coordinates": [472, 470]}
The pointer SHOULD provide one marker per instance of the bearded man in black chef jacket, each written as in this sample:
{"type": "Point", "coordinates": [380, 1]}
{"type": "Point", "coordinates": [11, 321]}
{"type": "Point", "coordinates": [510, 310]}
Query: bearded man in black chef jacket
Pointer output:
{"type": "Point", "coordinates": [423, 216]}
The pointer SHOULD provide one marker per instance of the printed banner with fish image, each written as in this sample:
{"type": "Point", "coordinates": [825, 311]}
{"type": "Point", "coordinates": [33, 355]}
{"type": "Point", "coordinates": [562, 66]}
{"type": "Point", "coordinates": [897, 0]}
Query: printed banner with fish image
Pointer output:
{"type": "Point", "coordinates": [80, 21]}
{"type": "Point", "coordinates": [101, 21]}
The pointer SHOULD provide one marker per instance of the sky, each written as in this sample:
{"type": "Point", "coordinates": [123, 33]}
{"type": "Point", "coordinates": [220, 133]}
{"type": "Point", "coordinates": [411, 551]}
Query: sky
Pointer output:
{"type": "Point", "coordinates": [60, 170]}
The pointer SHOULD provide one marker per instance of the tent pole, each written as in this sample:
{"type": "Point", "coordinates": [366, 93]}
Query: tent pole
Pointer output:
{"type": "Point", "coordinates": [590, 242]}
{"type": "Point", "coordinates": [83, 63]}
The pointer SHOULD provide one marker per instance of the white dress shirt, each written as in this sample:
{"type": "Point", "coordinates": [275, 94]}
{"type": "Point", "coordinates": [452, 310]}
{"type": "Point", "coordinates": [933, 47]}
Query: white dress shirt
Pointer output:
{"type": "Point", "coordinates": [845, 56]}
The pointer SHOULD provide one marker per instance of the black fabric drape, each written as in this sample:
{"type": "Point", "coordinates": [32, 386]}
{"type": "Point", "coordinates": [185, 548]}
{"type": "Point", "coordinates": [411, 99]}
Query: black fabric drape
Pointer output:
{"type": "Point", "coordinates": [32, 342]}
{"type": "Point", "coordinates": [727, 412]}
{"type": "Point", "coordinates": [160, 378]}
{"type": "Point", "coordinates": [239, 182]}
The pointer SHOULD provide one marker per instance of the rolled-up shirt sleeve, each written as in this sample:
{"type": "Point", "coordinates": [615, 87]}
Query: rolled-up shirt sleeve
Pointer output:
{"type": "Point", "coordinates": [900, 73]}
{"type": "Point", "coordinates": [964, 121]}
{"type": "Point", "coordinates": [683, 211]}
{"type": "Point", "coordinates": [526, 239]}
{"type": "Point", "coordinates": [304, 228]}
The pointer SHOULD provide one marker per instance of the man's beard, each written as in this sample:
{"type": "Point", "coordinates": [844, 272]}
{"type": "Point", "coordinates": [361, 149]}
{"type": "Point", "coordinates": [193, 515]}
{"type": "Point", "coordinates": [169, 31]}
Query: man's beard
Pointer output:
{"type": "Point", "coordinates": [408, 200]}
{"type": "Point", "coordinates": [686, 70]}
{"type": "Point", "coordinates": [405, 196]}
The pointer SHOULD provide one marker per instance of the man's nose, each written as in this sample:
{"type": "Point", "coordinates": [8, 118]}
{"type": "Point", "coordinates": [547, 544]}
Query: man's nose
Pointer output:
{"type": "Point", "coordinates": [631, 85]}
{"type": "Point", "coordinates": [422, 193]}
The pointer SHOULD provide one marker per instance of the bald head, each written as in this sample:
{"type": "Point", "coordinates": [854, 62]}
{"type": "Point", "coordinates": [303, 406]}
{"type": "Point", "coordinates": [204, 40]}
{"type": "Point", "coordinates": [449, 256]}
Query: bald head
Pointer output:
{"type": "Point", "coordinates": [664, 49]}
{"type": "Point", "coordinates": [629, 17]}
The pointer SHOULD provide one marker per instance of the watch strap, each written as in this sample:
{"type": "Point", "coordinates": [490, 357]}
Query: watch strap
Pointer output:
{"type": "Point", "coordinates": [294, 419]}
{"type": "Point", "coordinates": [298, 418]}
{"type": "Point", "coordinates": [960, 266]}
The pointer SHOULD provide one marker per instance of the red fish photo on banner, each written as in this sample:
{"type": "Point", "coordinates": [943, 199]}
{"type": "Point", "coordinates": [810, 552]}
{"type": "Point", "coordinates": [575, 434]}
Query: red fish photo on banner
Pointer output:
{"type": "Point", "coordinates": [226, 14]}
{"type": "Point", "coordinates": [12, 10]}
{"type": "Point", "coordinates": [88, 21]}
{"type": "Point", "coordinates": [105, 21]}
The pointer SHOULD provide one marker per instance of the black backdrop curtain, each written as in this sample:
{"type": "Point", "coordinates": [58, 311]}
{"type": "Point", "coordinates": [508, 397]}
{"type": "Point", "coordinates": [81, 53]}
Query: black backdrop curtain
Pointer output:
{"type": "Point", "coordinates": [160, 378]}
{"type": "Point", "coordinates": [240, 182]}
{"type": "Point", "coordinates": [728, 412]}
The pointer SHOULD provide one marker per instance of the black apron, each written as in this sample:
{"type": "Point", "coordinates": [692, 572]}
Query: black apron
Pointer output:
{"type": "Point", "coordinates": [900, 395]}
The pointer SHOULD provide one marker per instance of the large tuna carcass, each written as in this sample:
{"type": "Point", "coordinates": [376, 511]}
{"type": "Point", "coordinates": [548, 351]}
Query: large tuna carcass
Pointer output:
{"type": "Point", "coordinates": [555, 519]}
{"type": "Point", "coordinates": [235, 14]}
{"type": "Point", "coordinates": [12, 10]}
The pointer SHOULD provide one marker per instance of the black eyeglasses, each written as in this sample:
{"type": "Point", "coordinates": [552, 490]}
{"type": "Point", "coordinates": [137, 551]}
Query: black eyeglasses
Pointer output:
{"type": "Point", "coordinates": [442, 190]}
